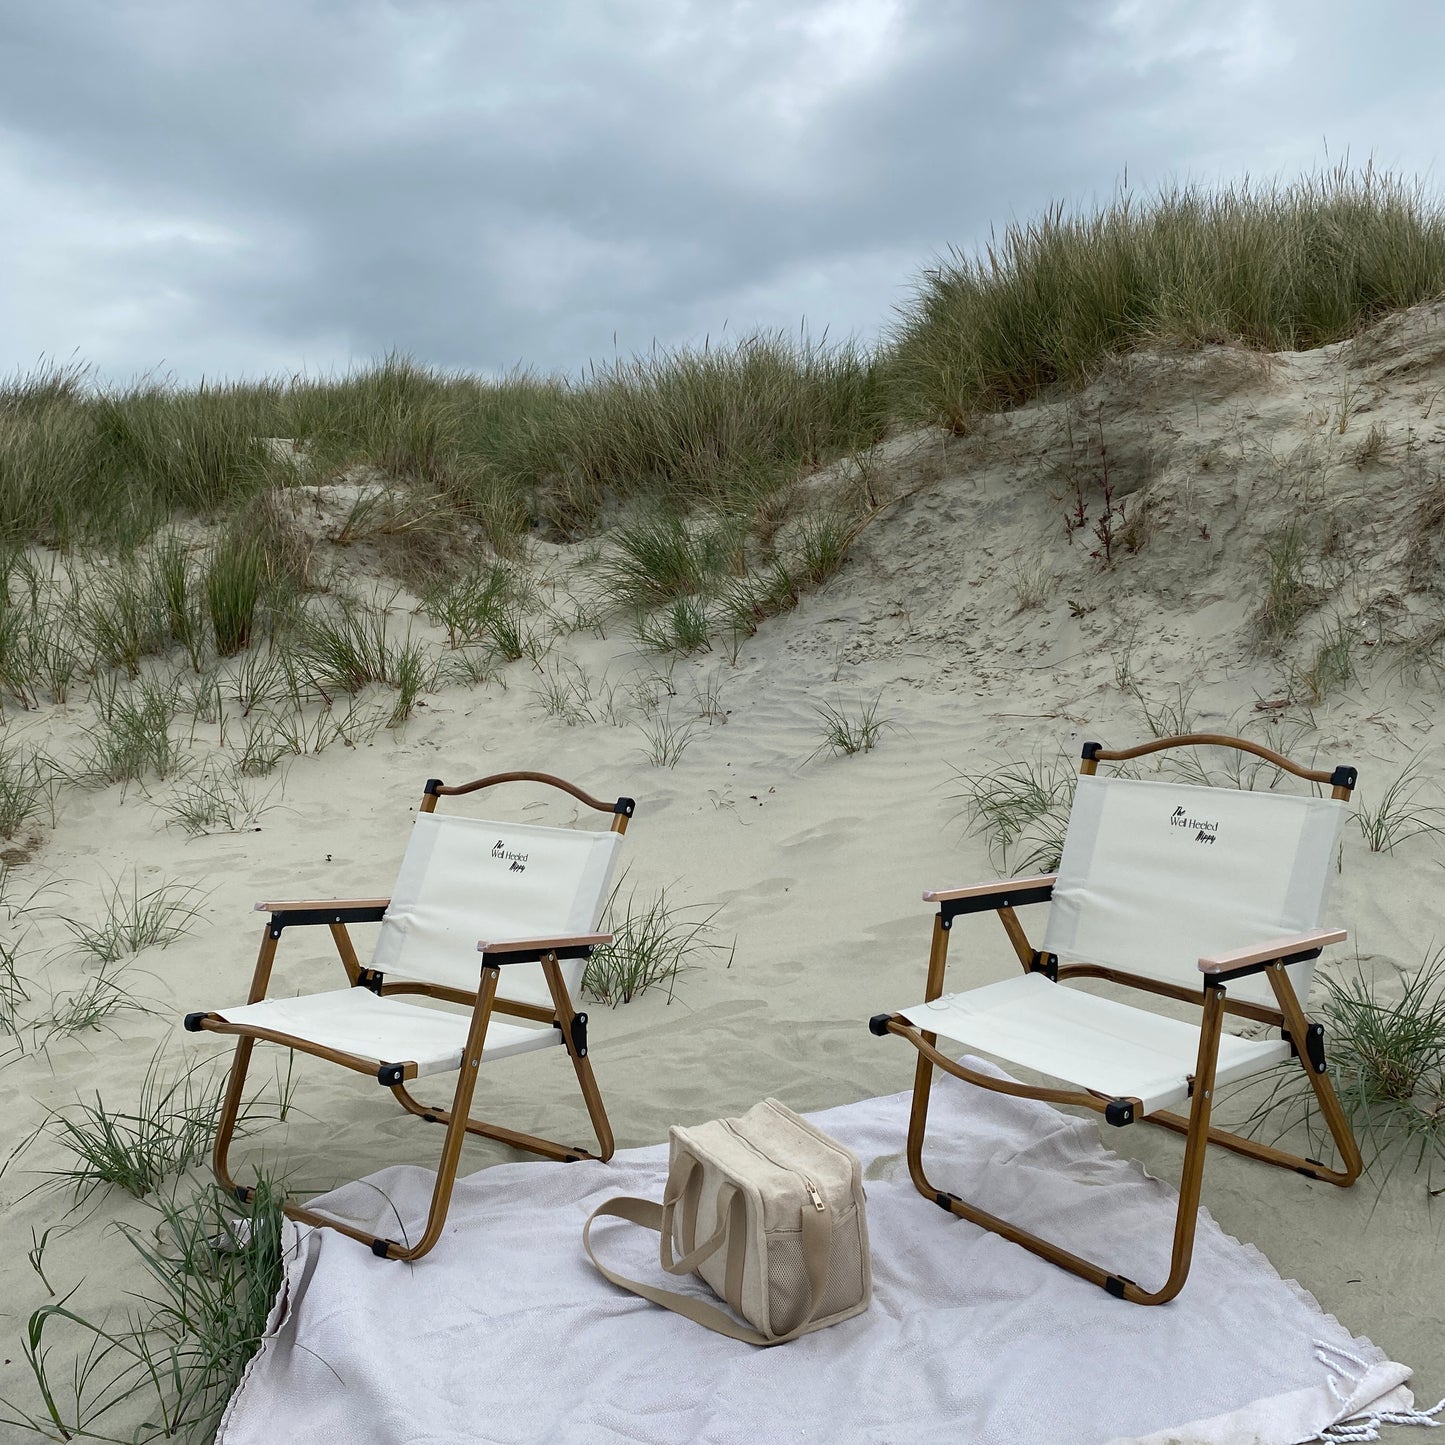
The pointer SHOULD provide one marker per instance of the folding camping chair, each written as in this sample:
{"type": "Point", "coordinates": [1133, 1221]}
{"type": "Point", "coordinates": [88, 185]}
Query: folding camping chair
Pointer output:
{"type": "Point", "coordinates": [526, 898]}
{"type": "Point", "coordinates": [1159, 883]}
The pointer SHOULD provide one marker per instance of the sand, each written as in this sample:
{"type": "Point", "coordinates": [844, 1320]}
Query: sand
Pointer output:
{"type": "Point", "coordinates": [811, 865]}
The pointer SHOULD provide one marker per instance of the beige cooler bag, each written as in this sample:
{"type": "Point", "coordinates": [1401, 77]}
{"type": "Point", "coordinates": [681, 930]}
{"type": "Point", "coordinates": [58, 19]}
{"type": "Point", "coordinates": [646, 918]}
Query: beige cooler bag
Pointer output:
{"type": "Point", "coordinates": [769, 1211]}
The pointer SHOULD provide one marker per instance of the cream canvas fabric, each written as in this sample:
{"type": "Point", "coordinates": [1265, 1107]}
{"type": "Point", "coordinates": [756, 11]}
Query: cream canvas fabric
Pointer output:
{"type": "Point", "coordinates": [1096, 1043]}
{"type": "Point", "coordinates": [465, 879]}
{"type": "Point", "coordinates": [1155, 875]}
{"type": "Point", "coordinates": [356, 1021]}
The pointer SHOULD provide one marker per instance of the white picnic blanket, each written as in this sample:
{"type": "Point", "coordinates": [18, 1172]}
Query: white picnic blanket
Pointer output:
{"type": "Point", "coordinates": [504, 1332]}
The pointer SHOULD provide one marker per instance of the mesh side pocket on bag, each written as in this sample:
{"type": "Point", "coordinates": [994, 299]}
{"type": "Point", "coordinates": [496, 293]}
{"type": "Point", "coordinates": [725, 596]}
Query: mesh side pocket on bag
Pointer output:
{"type": "Point", "coordinates": [788, 1279]}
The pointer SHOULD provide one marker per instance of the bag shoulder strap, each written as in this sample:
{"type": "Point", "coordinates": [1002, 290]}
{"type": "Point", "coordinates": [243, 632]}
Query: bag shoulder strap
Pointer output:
{"type": "Point", "coordinates": [817, 1244]}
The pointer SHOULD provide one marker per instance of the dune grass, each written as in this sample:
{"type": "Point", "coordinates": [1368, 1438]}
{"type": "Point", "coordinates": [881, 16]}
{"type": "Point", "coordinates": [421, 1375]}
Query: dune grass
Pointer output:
{"type": "Point", "coordinates": [165, 1368]}
{"type": "Point", "coordinates": [1271, 266]}
{"type": "Point", "coordinates": [1022, 810]}
{"type": "Point", "coordinates": [136, 918]}
{"type": "Point", "coordinates": [86, 465]}
{"type": "Point", "coordinates": [27, 786]}
{"type": "Point", "coordinates": [1385, 1042]}
{"type": "Point", "coordinates": [654, 941]}
{"type": "Point", "coordinates": [846, 731]}
{"type": "Point", "coordinates": [14, 988]}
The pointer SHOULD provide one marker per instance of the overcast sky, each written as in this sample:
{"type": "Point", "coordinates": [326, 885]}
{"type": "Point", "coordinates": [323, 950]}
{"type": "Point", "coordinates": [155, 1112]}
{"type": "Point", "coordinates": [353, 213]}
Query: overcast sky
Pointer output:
{"type": "Point", "coordinates": [260, 187]}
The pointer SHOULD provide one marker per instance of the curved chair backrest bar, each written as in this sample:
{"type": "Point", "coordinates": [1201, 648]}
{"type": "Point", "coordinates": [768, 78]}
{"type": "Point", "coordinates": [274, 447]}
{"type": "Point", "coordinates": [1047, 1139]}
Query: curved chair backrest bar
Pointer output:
{"type": "Point", "coordinates": [621, 810]}
{"type": "Point", "coordinates": [1341, 779]}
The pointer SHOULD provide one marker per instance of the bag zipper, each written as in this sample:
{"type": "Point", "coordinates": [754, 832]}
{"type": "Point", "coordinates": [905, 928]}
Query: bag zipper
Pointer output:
{"type": "Point", "coordinates": [819, 1203]}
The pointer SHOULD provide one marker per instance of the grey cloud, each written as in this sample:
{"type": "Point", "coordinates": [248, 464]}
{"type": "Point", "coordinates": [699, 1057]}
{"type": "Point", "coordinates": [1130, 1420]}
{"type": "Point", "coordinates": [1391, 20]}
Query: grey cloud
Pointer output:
{"type": "Point", "coordinates": [488, 183]}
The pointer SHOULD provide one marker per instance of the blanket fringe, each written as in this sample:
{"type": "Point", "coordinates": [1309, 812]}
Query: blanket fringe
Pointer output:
{"type": "Point", "coordinates": [1367, 1427]}
{"type": "Point", "coordinates": [1363, 1427]}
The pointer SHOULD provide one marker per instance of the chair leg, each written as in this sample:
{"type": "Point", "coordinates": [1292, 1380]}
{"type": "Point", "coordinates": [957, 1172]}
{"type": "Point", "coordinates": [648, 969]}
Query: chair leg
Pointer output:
{"type": "Point", "coordinates": [446, 1174]}
{"type": "Point", "coordinates": [532, 1143]}
{"type": "Point", "coordinates": [1324, 1090]}
{"type": "Point", "coordinates": [581, 1064]}
{"type": "Point", "coordinates": [240, 1063]}
{"type": "Point", "coordinates": [457, 1118]}
{"type": "Point", "coordinates": [456, 1127]}
{"type": "Point", "coordinates": [1191, 1181]}
{"type": "Point", "coordinates": [230, 1112]}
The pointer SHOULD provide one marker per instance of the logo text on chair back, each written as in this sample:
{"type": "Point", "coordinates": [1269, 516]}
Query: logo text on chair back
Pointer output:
{"type": "Point", "coordinates": [503, 854]}
{"type": "Point", "coordinates": [1205, 830]}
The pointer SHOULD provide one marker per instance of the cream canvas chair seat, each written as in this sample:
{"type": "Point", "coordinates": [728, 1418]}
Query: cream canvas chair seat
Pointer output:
{"type": "Point", "coordinates": [491, 924]}
{"type": "Point", "coordinates": [1111, 1048]}
{"type": "Point", "coordinates": [380, 1031]}
{"type": "Point", "coordinates": [1208, 895]}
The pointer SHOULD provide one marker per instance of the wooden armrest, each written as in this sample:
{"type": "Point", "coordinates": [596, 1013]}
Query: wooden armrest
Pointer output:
{"type": "Point", "coordinates": [313, 905]}
{"type": "Point", "coordinates": [1261, 955]}
{"type": "Point", "coordinates": [535, 947]}
{"type": "Point", "coordinates": [982, 890]}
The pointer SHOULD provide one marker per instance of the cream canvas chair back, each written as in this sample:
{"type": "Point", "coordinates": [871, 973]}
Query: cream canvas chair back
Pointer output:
{"type": "Point", "coordinates": [465, 879]}
{"type": "Point", "coordinates": [1155, 875]}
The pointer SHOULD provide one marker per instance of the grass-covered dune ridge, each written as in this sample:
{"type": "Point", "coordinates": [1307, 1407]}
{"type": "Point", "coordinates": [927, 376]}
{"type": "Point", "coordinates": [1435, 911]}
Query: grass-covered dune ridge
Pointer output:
{"type": "Point", "coordinates": [1272, 267]}
{"type": "Point", "coordinates": [1267, 266]}
{"type": "Point", "coordinates": [719, 425]}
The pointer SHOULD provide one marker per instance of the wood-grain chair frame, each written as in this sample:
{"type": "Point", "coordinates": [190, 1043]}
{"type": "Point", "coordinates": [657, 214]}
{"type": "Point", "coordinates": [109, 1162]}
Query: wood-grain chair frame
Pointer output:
{"type": "Point", "coordinates": [457, 1119]}
{"type": "Point", "coordinates": [1306, 1037]}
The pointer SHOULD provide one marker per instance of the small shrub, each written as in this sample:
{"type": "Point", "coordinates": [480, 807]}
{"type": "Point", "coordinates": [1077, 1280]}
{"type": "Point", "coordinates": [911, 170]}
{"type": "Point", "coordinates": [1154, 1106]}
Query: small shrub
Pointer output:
{"type": "Point", "coordinates": [261, 675]}
{"type": "Point", "coordinates": [658, 559]}
{"type": "Point", "coordinates": [470, 668]}
{"type": "Point", "coordinates": [1168, 719]}
{"type": "Point", "coordinates": [845, 733]}
{"type": "Point", "coordinates": [344, 650]}
{"type": "Point", "coordinates": [237, 582]}
{"type": "Point", "coordinates": [262, 748]}
{"type": "Point", "coordinates": [122, 616]}
{"type": "Point", "coordinates": [1022, 809]}
{"type": "Point", "coordinates": [708, 696]}
{"type": "Point", "coordinates": [411, 670]}
{"type": "Point", "coordinates": [1399, 814]}
{"type": "Point", "coordinates": [303, 731]}
{"type": "Point", "coordinates": [512, 639]}
{"type": "Point", "coordinates": [682, 626]}
{"type": "Point", "coordinates": [666, 740]}
{"type": "Point", "coordinates": [654, 941]}
{"type": "Point", "coordinates": [133, 737]}
{"type": "Point", "coordinates": [389, 512]}
{"type": "Point", "coordinates": [97, 1000]}
{"type": "Point", "coordinates": [747, 602]}
{"type": "Point", "coordinates": [14, 988]}
{"type": "Point", "coordinates": [821, 544]}
{"type": "Point", "coordinates": [27, 787]}
{"type": "Point", "coordinates": [186, 609]}
{"type": "Point", "coordinates": [170, 1128]}
{"type": "Point", "coordinates": [1333, 665]}
{"type": "Point", "coordinates": [135, 920]}
{"type": "Point", "coordinates": [565, 693]}
{"type": "Point", "coordinates": [1290, 593]}
{"type": "Point", "coordinates": [470, 606]}
{"type": "Point", "coordinates": [1031, 583]}
{"type": "Point", "coordinates": [217, 801]}
{"type": "Point", "coordinates": [215, 1269]}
